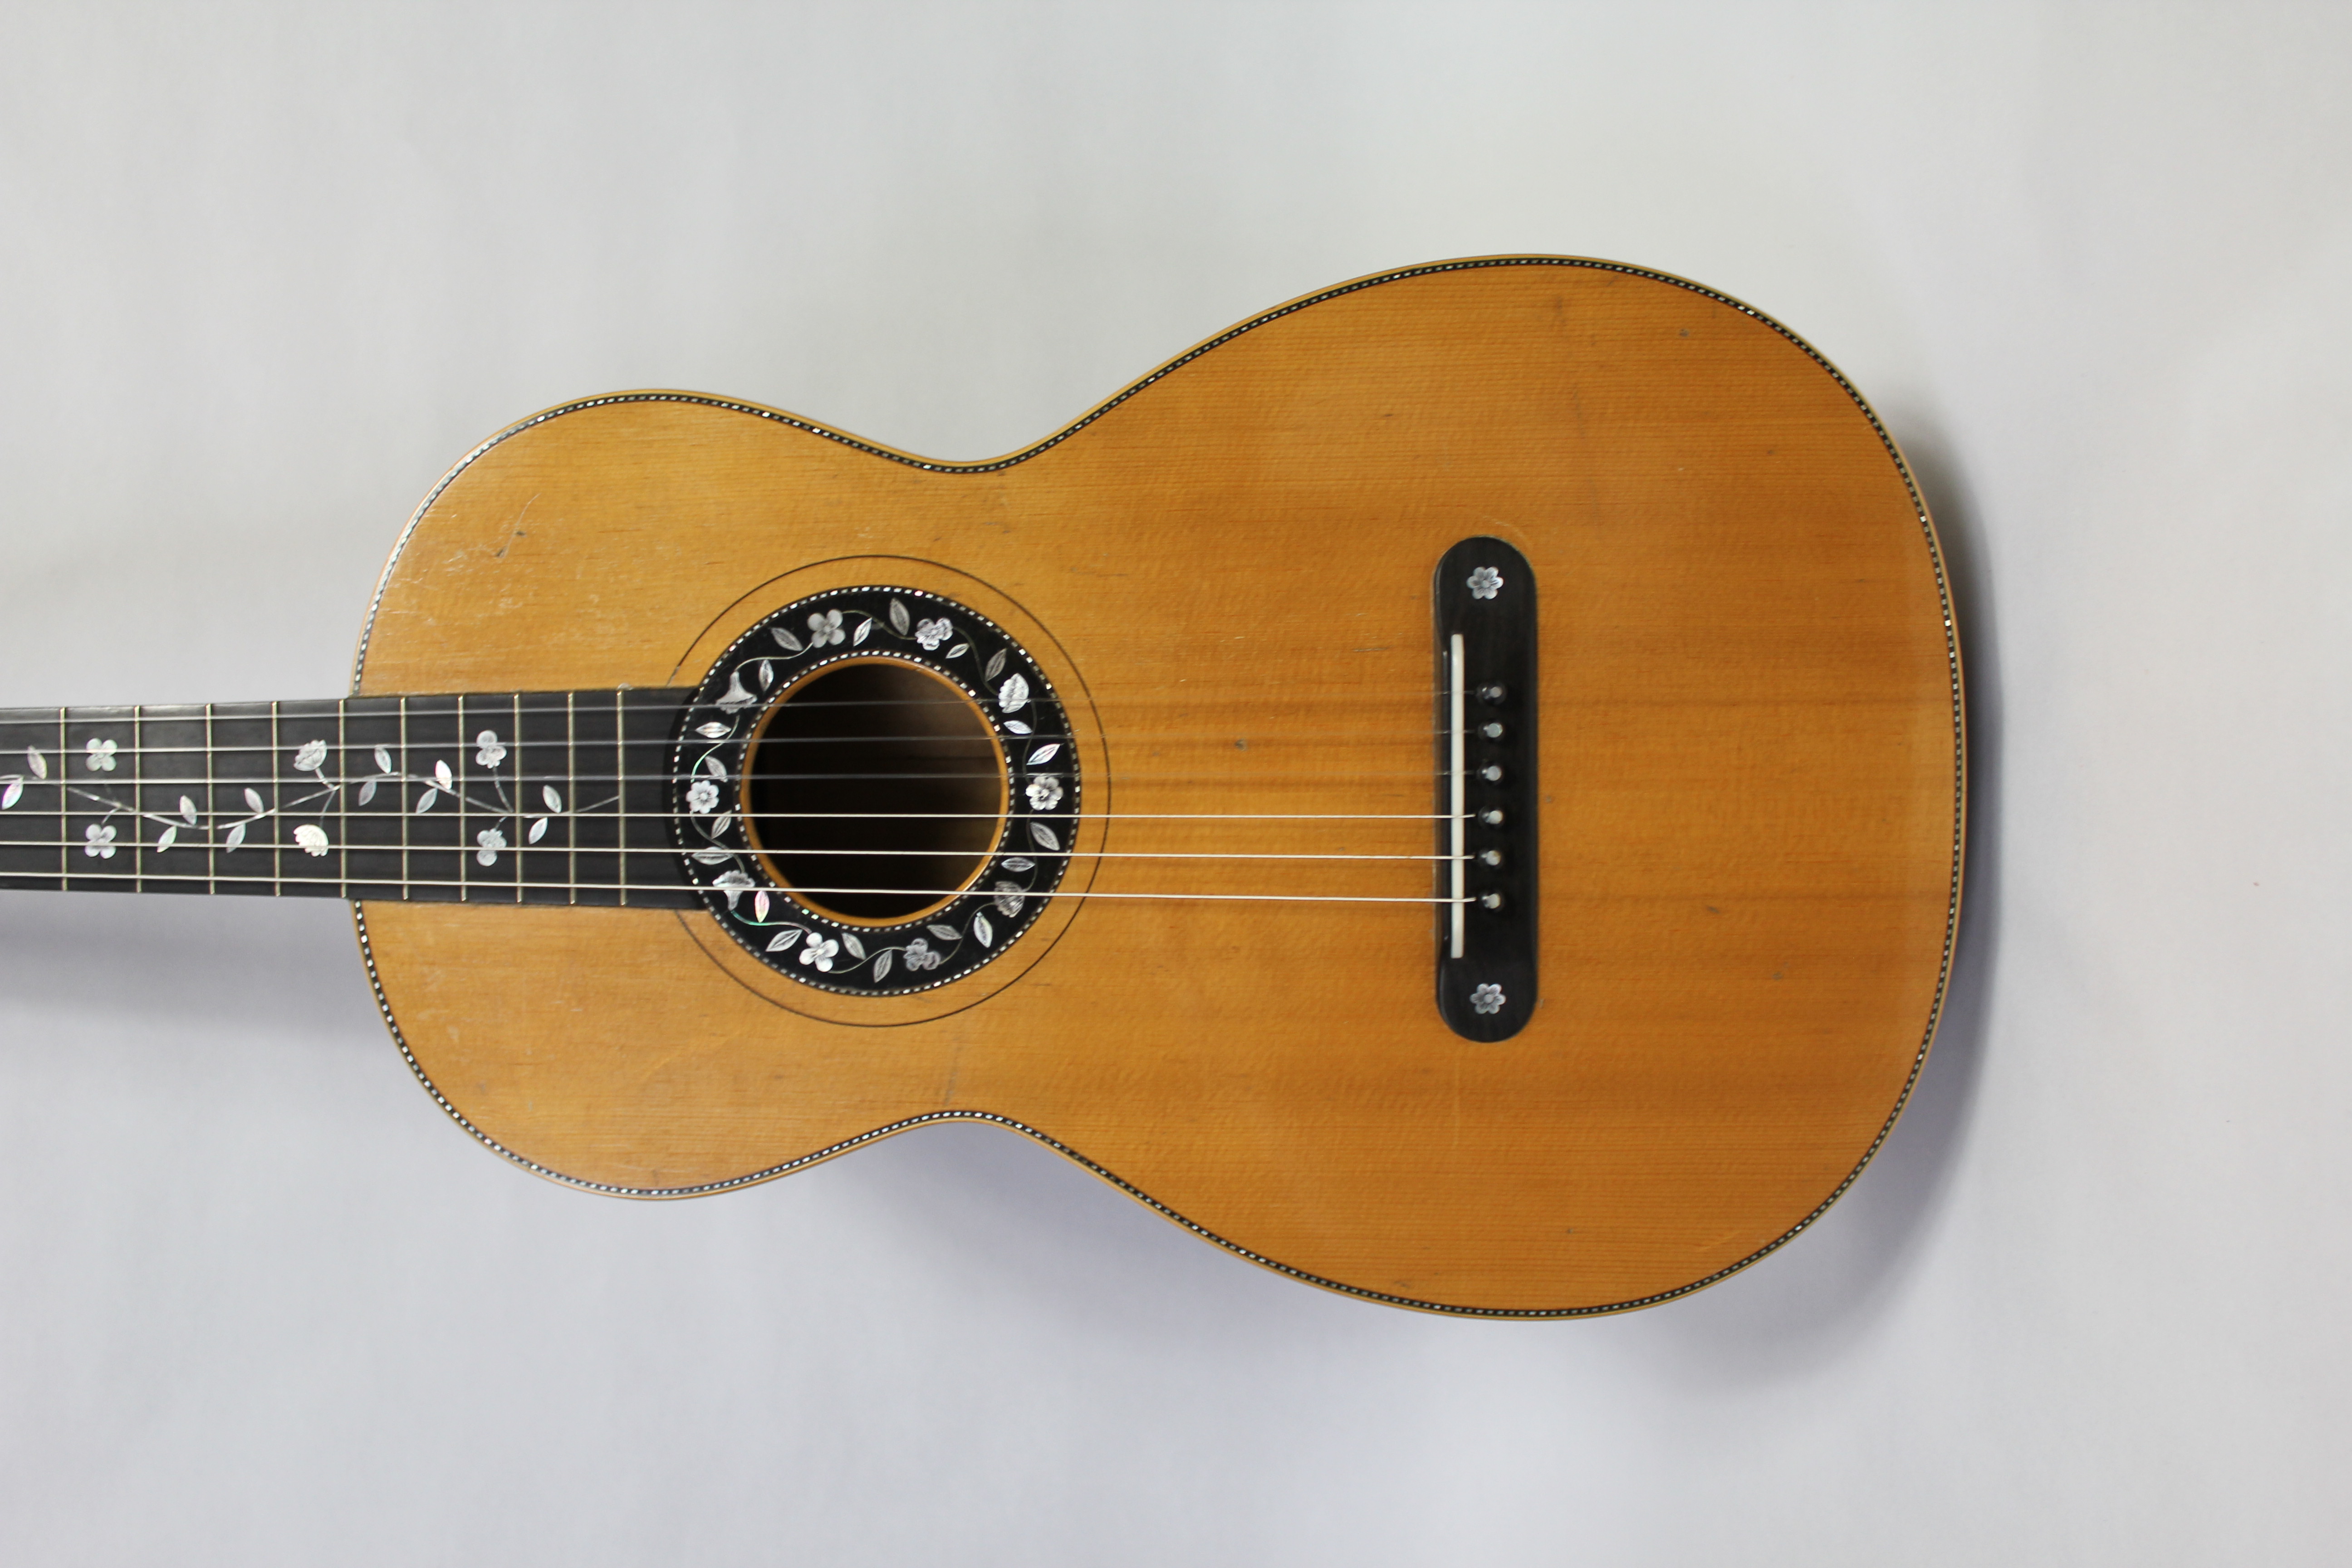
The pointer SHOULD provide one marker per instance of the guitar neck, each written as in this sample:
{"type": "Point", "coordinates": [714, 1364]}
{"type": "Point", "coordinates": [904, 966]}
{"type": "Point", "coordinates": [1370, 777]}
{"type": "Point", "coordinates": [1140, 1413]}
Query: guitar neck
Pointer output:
{"type": "Point", "coordinates": [507, 798]}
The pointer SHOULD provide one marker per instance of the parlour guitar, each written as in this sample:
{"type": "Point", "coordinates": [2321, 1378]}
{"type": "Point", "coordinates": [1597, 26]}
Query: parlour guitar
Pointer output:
{"type": "Point", "coordinates": [1453, 789]}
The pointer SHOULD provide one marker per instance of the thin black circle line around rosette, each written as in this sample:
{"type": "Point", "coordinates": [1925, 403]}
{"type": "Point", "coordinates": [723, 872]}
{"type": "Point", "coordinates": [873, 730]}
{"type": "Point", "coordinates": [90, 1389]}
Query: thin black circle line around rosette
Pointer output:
{"type": "Point", "coordinates": [1025, 721]}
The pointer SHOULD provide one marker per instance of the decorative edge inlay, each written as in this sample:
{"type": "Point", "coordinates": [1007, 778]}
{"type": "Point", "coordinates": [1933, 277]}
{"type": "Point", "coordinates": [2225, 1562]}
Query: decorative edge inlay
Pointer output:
{"type": "Point", "coordinates": [1960, 781]}
{"type": "Point", "coordinates": [1033, 742]}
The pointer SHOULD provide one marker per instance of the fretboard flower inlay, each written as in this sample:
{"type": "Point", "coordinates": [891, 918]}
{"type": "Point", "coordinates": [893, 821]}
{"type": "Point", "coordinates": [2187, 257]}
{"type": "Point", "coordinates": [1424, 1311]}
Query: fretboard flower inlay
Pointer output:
{"type": "Point", "coordinates": [515, 797]}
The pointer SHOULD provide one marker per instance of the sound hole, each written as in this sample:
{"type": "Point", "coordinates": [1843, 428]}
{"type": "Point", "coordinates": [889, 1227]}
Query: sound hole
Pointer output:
{"type": "Point", "coordinates": [874, 791]}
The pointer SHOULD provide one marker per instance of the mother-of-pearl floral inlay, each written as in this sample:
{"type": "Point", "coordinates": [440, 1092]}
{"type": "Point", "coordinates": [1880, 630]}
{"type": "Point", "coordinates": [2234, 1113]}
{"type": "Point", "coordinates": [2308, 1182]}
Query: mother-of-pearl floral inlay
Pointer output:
{"type": "Point", "coordinates": [1031, 731]}
{"type": "Point", "coordinates": [232, 829]}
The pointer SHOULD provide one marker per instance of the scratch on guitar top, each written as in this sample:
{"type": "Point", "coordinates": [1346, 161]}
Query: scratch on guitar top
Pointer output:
{"type": "Point", "coordinates": [500, 552]}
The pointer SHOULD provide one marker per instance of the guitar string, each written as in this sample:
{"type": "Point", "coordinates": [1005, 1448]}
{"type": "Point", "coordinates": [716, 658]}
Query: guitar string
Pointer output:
{"type": "Point", "coordinates": [501, 724]}
{"type": "Point", "coordinates": [458, 846]}
{"type": "Point", "coordinates": [665, 777]}
{"type": "Point", "coordinates": [510, 884]}
{"type": "Point", "coordinates": [1262, 781]}
{"type": "Point", "coordinates": [293, 811]}
{"type": "Point", "coordinates": [1014, 742]}
{"type": "Point", "coordinates": [1048, 817]}
{"type": "Point", "coordinates": [522, 810]}
{"type": "Point", "coordinates": [215, 782]}
{"type": "Point", "coordinates": [503, 703]}
{"type": "Point", "coordinates": [160, 785]}
{"type": "Point", "coordinates": [145, 716]}
{"type": "Point", "coordinates": [148, 716]}
{"type": "Point", "coordinates": [597, 813]}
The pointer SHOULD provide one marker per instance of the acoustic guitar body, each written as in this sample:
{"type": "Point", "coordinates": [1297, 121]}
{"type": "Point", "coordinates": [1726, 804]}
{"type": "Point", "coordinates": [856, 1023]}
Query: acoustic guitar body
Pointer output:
{"type": "Point", "coordinates": [1742, 736]}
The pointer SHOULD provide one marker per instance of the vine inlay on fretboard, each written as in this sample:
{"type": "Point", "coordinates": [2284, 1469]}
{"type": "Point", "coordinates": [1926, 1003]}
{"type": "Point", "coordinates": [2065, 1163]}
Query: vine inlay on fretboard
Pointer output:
{"type": "Point", "coordinates": [512, 797]}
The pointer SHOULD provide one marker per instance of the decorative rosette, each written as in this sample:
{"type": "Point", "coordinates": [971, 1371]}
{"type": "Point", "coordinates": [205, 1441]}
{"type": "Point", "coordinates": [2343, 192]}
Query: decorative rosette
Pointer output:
{"type": "Point", "coordinates": [1026, 722]}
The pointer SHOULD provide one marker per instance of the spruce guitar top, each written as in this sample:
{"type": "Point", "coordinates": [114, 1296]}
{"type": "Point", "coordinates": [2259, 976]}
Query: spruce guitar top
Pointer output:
{"type": "Point", "coordinates": [1453, 789]}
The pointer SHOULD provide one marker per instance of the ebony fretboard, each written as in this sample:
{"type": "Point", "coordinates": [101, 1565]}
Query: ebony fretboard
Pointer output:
{"type": "Point", "coordinates": [511, 797]}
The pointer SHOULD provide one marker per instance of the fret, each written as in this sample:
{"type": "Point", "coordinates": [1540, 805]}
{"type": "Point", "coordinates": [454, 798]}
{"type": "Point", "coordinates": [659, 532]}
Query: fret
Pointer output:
{"type": "Point", "coordinates": [211, 883]}
{"type": "Point", "coordinates": [65, 864]}
{"type": "Point", "coordinates": [137, 805]}
{"type": "Point", "coordinates": [172, 766]}
{"type": "Point", "coordinates": [594, 802]}
{"type": "Point", "coordinates": [101, 826]}
{"type": "Point", "coordinates": [401, 751]}
{"type": "Point", "coordinates": [621, 795]}
{"type": "Point", "coordinates": [431, 800]}
{"type": "Point", "coordinates": [487, 841]}
{"type": "Point", "coordinates": [343, 802]}
{"type": "Point", "coordinates": [545, 794]}
{"type": "Point", "coordinates": [511, 797]}
{"type": "Point", "coordinates": [243, 757]}
{"type": "Point", "coordinates": [523, 808]}
{"type": "Point", "coordinates": [505, 848]}
{"type": "Point", "coordinates": [457, 796]}
{"type": "Point", "coordinates": [572, 794]}
{"type": "Point", "coordinates": [649, 853]}
{"type": "Point", "coordinates": [28, 839]}
{"type": "Point", "coordinates": [374, 837]}
{"type": "Point", "coordinates": [277, 865]}
{"type": "Point", "coordinates": [460, 798]}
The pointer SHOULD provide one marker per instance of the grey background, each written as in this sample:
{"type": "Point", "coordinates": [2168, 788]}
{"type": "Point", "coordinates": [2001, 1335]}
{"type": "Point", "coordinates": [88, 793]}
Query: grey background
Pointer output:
{"type": "Point", "coordinates": [267, 269]}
